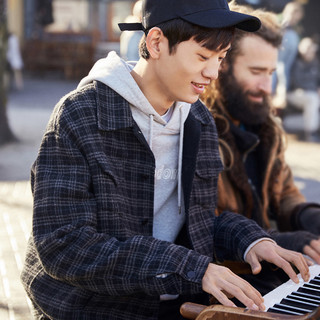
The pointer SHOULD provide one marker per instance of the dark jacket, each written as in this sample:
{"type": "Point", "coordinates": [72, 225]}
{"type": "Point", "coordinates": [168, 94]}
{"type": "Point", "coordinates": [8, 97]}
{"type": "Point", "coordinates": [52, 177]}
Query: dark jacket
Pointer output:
{"type": "Point", "coordinates": [305, 75]}
{"type": "Point", "coordinates": [91, 254]}
{"type": "Point", "coordinates": [275, 196]}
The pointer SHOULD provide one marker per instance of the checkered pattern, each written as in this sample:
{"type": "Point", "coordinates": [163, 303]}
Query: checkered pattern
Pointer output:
{"type": "Point", "coordinates": [91, 254]}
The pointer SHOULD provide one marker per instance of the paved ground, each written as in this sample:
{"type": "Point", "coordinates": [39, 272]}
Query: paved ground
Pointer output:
{"type": "Point", "coordinates": [28, 113]}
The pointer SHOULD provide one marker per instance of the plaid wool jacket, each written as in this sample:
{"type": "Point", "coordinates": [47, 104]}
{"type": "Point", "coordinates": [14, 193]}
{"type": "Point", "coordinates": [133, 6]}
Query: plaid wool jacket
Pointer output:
{"type": "Point", "coordinates": [91, 254]}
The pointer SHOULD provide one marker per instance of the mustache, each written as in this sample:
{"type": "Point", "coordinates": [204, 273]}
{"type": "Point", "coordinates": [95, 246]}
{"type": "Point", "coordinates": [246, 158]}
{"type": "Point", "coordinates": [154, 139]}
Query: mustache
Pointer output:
{"type": "Point", "coordinates": [257, 94]}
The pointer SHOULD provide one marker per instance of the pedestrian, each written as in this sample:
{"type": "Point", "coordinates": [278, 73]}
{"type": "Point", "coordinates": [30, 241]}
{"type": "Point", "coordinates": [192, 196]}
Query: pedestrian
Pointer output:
{"type": "Point", "coordinates": [257, 182]}
{"type": "Point", "coordinates": [292, 15]}
{"type": "Point", "coordinates": [129, 40]}
{"type": "Point", "coordinates": [124, 184]}
{"type": "Point", "coordinates": [305, 88]}
{"type": "Point", "coordinates": [15, 61]}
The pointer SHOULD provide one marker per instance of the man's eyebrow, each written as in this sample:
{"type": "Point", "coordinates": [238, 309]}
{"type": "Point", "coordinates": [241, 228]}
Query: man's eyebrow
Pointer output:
{"type": "Point", "coordinates": [227, 49]}
{"type": "Point", "coordinates": [261, 68]}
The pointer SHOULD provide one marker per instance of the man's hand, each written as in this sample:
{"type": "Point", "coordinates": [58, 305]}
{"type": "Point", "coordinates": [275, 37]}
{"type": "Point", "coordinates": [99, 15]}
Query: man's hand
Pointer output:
{"type": "Point", "coordinates": [271, 252]}
{"type": "Point", "coordinates": [221, 281]}
{"type": "Point", "coordinates": [309, 219]}
{"type": "Point", "coordinates": [300, 241]}
{"type": "Point", "coordinates": [313, 250]}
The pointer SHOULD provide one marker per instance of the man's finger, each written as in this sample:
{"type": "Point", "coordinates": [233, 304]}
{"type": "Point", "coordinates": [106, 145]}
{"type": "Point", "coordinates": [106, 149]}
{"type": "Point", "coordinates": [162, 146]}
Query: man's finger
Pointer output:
{"type": "Point", "coordinates": [222, 298]}
{"type": "Point", "coordinates": [313, 254]}
{"type": "Point", "coordinates": [254, 263]}
{"type": "Point", "coordinates": [298, 261]}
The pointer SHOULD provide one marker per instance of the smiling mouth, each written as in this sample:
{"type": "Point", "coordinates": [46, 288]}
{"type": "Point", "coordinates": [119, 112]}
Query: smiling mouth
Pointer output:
{"type": "Point", "coordinates": [198, 85]}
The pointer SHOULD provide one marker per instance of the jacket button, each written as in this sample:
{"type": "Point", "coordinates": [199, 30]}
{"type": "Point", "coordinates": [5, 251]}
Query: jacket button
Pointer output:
{"type": "Point", "coordinates": [191, 274]}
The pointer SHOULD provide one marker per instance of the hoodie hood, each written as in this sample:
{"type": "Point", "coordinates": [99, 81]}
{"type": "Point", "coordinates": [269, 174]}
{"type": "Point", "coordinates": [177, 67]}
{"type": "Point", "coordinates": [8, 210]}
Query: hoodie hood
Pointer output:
{"type": "Point", "coordinates": [115, 73]}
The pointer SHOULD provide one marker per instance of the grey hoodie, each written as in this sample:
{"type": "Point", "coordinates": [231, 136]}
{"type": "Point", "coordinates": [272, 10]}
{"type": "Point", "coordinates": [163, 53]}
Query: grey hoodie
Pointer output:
{"type": "Point", "coordinates": [164, 135]}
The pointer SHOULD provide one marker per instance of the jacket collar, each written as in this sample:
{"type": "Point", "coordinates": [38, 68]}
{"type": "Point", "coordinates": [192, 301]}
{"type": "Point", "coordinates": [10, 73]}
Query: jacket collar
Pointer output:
{"type": "Point", "coordinates": [201, 113]}
{"type": "Point", "coordinates": [113, 111]}
{"type": "Point", "coordinates": [245, 139]}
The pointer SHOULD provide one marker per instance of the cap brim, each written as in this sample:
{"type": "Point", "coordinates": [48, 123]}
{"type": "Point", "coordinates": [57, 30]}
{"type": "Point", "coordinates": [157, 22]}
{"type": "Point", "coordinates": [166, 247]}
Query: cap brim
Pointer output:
{"type": "Point", "coordinates": [133, 26]}
{"type": "Point", "coordinates": [224, 18]}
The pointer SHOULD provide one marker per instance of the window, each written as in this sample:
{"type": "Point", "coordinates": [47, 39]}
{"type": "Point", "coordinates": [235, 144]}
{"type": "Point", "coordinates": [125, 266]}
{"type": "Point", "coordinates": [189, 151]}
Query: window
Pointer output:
{"type": "Point", "coordinates": [71, 15]}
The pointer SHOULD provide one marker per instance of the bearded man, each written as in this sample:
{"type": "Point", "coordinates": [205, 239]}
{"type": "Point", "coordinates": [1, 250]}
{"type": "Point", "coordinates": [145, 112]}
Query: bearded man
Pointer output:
{"type": "Point", "coordinates": [257, 182]}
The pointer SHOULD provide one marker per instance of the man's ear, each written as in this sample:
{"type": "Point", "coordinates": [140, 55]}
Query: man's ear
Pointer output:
{"type": "Point", "coordinates": [153, 40]}
{"type": "Point", "coordinates": [224, 67]}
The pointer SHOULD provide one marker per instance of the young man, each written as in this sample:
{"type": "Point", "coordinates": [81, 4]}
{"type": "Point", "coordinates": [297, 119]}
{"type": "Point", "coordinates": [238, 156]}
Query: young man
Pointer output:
{"type": "Point", "coordinates": [257, 181]}
{"type": "Point", "coordinates": [125, 182]}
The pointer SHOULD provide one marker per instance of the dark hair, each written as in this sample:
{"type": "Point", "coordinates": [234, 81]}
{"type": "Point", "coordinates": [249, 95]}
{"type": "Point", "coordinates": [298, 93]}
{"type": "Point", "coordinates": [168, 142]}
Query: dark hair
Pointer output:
{"type": "Point", "coordinates": [270, 30]}
{"type": "Point", "coordinates": [178, 30]}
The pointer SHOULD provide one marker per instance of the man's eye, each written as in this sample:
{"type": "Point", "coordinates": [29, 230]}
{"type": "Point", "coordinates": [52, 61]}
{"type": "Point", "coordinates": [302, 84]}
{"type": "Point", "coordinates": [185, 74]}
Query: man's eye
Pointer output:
{"type": "Point", "coordinates": [255, 72]}
{"type": "Point", "coordinates": [203, 57]}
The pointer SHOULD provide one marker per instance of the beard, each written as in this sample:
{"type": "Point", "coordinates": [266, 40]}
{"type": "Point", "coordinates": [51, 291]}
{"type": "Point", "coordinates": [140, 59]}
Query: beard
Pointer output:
{"type": "Point", "coordinates": [237, 103]}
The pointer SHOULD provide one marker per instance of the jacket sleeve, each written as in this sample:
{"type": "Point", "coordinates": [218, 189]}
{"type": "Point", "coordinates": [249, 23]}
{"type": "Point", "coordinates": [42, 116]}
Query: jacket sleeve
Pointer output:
{"type": "Point", "coordinates": [233, 234]}
{"type": "Point", "coordinates": [69, 241]}
{"type": "Point", "coordinates": [290, 199]}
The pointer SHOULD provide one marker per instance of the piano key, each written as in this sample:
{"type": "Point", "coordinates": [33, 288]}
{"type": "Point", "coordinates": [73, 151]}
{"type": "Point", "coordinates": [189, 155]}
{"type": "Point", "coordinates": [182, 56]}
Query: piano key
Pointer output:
{"type": "Point", "coordinates": [289, 308]}
{"type": "Point", "coordinates": [315, 281]}
{"type": "Point", "coordinates": [312, 286]}
{"type": "Point", "coordinates": [281, 311]}
{"type": "Point", "coordinates": [306, 298]}
{"type": "Point", "coordinates": [291, 288]}
{"type": "Point", "coordinates": [298, 304]}
{"type": "Point", "coordinates": [309, 291]}
{"type": "Point", "coordinates": [312, 304]}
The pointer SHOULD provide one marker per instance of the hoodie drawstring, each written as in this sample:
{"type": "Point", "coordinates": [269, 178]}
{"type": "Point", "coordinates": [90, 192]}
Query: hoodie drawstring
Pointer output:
{"type": "Point", "coordinates": [151, 117]}
{"type": "Point", "coordinates": [180, 160]}
{"type": "Point", "coordinates": [150, 130]}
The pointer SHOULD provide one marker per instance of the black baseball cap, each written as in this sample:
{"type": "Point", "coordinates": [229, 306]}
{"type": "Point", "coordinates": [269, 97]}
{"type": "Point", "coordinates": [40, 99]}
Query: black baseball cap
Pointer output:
{"type": "Point", "coordinates": [204, 13]}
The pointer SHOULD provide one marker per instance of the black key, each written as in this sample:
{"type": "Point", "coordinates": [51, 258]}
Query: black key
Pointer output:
{"type": "Point", "coordinates": [303, 299]}
{"type": "Point", "coordinates": [315, 281]}
{"type": "Point", "coordinates": [309, 291]}
{"type": "Point", "coordinates": [311, 286]}
{"type": "Point", "coordinates": [281, 311]}
{"type": "Point", "coordinates": [297, 304]}
{"type": "Point", "coordinates": [290, 308]}
{"type": "Point", "coordinates": [306, 295]}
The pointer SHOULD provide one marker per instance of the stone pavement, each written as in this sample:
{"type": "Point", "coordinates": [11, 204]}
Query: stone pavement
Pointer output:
{"type": "Point", "coordinates": [28, 113]}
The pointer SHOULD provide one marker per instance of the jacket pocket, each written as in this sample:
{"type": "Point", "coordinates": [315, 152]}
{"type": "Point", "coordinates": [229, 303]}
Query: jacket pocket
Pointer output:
{"type": "Point", "coordinates": [112, 169]}
{"type": "Point", "coordinates": [205, 183]}
{"type": "Point", "coordinates": [209, 169]}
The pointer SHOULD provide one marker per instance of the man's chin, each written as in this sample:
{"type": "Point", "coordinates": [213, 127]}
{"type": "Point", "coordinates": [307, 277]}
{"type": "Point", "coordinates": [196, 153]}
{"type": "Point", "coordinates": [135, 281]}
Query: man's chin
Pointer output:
{"type": "Point", "coordinates": [192, 100]}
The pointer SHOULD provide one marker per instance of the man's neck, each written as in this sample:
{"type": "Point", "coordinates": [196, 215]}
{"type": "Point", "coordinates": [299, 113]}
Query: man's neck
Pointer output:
{"type": "Point", "coordinates": [144, 76]}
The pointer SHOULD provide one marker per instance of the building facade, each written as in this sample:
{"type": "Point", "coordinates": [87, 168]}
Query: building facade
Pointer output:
{"type": "Point", "coordinates": [66, 35]}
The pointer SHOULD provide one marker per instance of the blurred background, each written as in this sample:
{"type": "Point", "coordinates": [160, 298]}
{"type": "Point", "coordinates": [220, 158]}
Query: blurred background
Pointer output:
{"type": "Point", "coordinates": [46, 47]}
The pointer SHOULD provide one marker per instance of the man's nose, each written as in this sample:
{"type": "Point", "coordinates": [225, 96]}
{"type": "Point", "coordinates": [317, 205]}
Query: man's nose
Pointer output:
{"type": "Point", "coordinates": [211, 71]}
{"type": "Point", "coordinates": [265, 85]}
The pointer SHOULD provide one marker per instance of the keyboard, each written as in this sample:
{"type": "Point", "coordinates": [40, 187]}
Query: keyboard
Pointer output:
{"type": "Point", "coordinates": [296, 299]}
